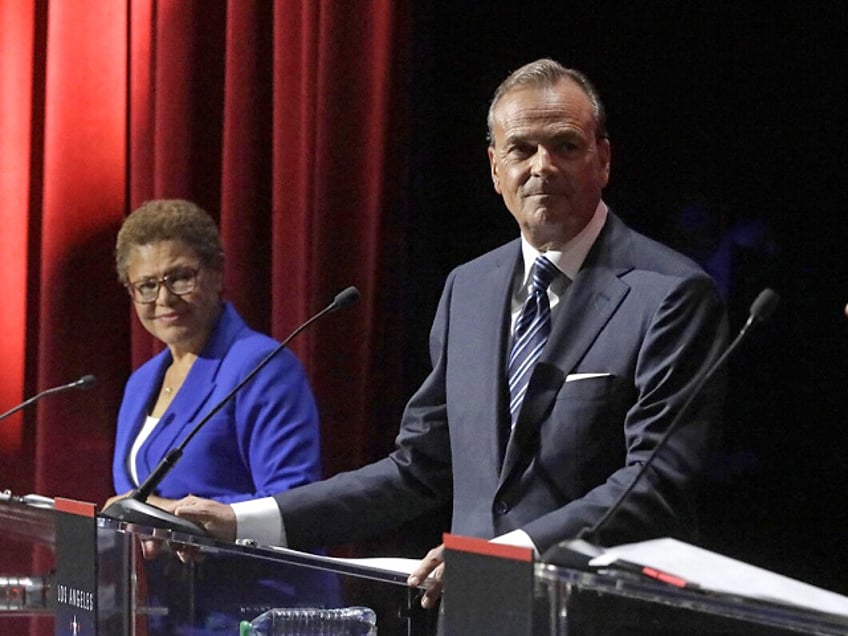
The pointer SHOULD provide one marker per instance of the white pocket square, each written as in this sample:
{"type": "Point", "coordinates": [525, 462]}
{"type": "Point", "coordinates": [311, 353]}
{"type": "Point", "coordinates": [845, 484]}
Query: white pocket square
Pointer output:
{"type": "Point", "coordinates": [573, 377]}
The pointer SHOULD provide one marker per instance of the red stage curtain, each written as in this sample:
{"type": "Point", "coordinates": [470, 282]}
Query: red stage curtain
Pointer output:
{"type": "Point", "coordinates": [284, 119]}
{"type": "Point", "coordinates": [16, 72]}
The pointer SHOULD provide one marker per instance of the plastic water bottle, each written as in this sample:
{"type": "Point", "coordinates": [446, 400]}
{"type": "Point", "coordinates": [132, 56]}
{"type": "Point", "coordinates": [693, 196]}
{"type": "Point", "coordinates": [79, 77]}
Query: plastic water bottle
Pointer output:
{"type": "Point", "coordinates": [299, 621]}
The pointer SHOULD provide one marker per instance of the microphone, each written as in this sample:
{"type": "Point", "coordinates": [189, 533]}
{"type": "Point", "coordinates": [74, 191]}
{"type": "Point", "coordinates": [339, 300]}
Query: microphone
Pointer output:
{"type": "Point", "coordinates": [134, 507]}
{"type": "Point", "coordinates": [85, 382]}
{"type": "Point", "coordinates": [576, 553]}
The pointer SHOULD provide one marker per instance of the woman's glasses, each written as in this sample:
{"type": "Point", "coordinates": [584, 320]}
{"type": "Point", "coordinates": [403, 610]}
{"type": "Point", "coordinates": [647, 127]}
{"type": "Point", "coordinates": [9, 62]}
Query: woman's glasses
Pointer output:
{"type": "Point", "coordinates": [179, 281]}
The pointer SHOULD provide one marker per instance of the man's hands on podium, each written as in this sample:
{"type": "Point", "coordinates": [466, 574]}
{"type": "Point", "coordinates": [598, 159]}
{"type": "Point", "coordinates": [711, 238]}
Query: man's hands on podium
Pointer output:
{"type": "Point", "coordinates": [219, 520]}
{"type": "Point", "coordinates": [432, 565]}
{"type": "Point", "coordinates": [216, 518]}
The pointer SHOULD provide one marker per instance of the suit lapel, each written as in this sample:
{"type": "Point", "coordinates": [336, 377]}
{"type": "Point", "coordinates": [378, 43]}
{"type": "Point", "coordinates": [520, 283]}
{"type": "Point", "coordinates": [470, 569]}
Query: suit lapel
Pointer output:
{"type": "Point", "coordinates": [492, 302]}
{"type": "Point", "coordinates": [138, 405]}
{"type": "Point", "coordinates": [590, 301]}
{"type": "Point", "coordinates": [194, 395]}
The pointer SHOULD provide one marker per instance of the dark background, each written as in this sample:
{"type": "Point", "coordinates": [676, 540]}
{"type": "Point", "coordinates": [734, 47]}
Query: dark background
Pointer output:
{"type": "Point", "coordinates": [727, 122]}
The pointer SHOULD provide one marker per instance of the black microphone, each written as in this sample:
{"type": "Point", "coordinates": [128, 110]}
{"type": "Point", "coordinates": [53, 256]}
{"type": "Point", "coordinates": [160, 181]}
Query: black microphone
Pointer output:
{"type": "Point", "coordinates": [134, 507]}
{"type": "Point", "coordinates": [576, 553]}
{"type": "Point", "coordinates": [85, 382]}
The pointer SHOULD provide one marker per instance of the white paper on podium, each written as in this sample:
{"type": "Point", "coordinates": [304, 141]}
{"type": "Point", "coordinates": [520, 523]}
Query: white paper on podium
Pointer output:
{"type": "Point", "coordinates": [722, 574]}
{"type": "Point", "coordinates": [394, 565]}
{"type": "Point", "coordinates": [397, 565]}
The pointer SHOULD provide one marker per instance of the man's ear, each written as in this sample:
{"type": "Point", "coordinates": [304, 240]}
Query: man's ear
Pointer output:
{"type": "Point", "coordinates": [605, 153]}
{"type": "Point", "coordinates": [493, 168]}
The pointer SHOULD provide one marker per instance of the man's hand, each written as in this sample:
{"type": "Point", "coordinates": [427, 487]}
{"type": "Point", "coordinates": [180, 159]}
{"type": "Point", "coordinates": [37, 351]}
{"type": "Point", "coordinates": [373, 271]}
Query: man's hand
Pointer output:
{"type": "Point", "coordinates": [218, 519]}
{"type": "Point", "coordinates": [432, 565]}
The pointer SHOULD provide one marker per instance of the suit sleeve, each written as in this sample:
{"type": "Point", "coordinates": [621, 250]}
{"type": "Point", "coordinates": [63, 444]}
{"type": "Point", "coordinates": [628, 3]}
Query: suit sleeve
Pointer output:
{"type": "Point", "coordinates": [414, 479]}
{"type": "Point", "coordinates": [684, 337]}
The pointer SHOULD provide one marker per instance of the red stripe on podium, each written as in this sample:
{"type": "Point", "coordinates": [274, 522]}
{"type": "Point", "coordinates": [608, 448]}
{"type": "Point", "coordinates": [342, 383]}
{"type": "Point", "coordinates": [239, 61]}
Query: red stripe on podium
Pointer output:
{"type": "Point", "coordinates": [82, 508]}
{"type": "Point", "coordinates": [481, 546]}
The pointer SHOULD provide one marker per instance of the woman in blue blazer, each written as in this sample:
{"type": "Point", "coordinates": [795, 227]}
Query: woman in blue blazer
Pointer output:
{"type": "Point", "coordinates": [169, 257]}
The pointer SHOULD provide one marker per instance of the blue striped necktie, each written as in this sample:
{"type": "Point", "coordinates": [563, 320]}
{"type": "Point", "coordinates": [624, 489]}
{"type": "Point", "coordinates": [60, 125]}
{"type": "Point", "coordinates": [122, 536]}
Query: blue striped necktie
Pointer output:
{"type": "Point", "coordinates": [530, 333]}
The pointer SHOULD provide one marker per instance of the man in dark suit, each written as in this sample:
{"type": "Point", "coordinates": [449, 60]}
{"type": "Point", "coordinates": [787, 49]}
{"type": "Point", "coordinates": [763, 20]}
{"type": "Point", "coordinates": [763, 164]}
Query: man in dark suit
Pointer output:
{"type": "Point", "coordinates": [533, 442]}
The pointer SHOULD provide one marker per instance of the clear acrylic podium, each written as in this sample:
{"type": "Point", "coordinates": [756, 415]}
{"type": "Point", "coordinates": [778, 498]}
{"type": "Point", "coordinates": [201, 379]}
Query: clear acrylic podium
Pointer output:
{"type": "Point", "coordinates": [226, 584]}
{"type": "Point", "coordinates": [576, 603]}
{"type": "Point", "coordinates": [27, 543]}
{"type": "Point", "coordinates": [229, 582]}
{"type": "Point", "coordinates": [501, 590]}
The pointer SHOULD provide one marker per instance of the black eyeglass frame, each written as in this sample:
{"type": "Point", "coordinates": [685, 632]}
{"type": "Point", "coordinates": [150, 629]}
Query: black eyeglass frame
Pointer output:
{"type": "Point", "coordinates": [135, 292]}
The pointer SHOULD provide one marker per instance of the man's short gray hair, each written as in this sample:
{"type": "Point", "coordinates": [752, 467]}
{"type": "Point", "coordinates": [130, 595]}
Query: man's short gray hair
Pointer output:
{"type": "Point", "coordinates": [546, 72]}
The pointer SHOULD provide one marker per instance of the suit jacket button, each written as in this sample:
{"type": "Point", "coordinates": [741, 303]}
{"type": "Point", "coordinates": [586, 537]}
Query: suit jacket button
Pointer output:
{"type": "Point", "coordinates": [501, 507]}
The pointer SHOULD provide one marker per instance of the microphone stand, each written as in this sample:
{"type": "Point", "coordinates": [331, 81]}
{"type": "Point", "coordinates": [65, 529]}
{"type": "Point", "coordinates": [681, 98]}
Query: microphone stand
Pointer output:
{"type": "Point", "coordinates": [134, 507]}
{"type": "Point", "coordinates": [576, 553]}
{"type": "Point", "coordinates": [84, 382]}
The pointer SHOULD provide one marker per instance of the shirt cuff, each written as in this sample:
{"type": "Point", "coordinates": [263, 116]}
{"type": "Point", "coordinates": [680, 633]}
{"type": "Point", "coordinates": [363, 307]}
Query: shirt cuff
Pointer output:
{"type": "Point", "coordinates": [260, 520]}
{"type": "Point", "coordinates": [519, 538]}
